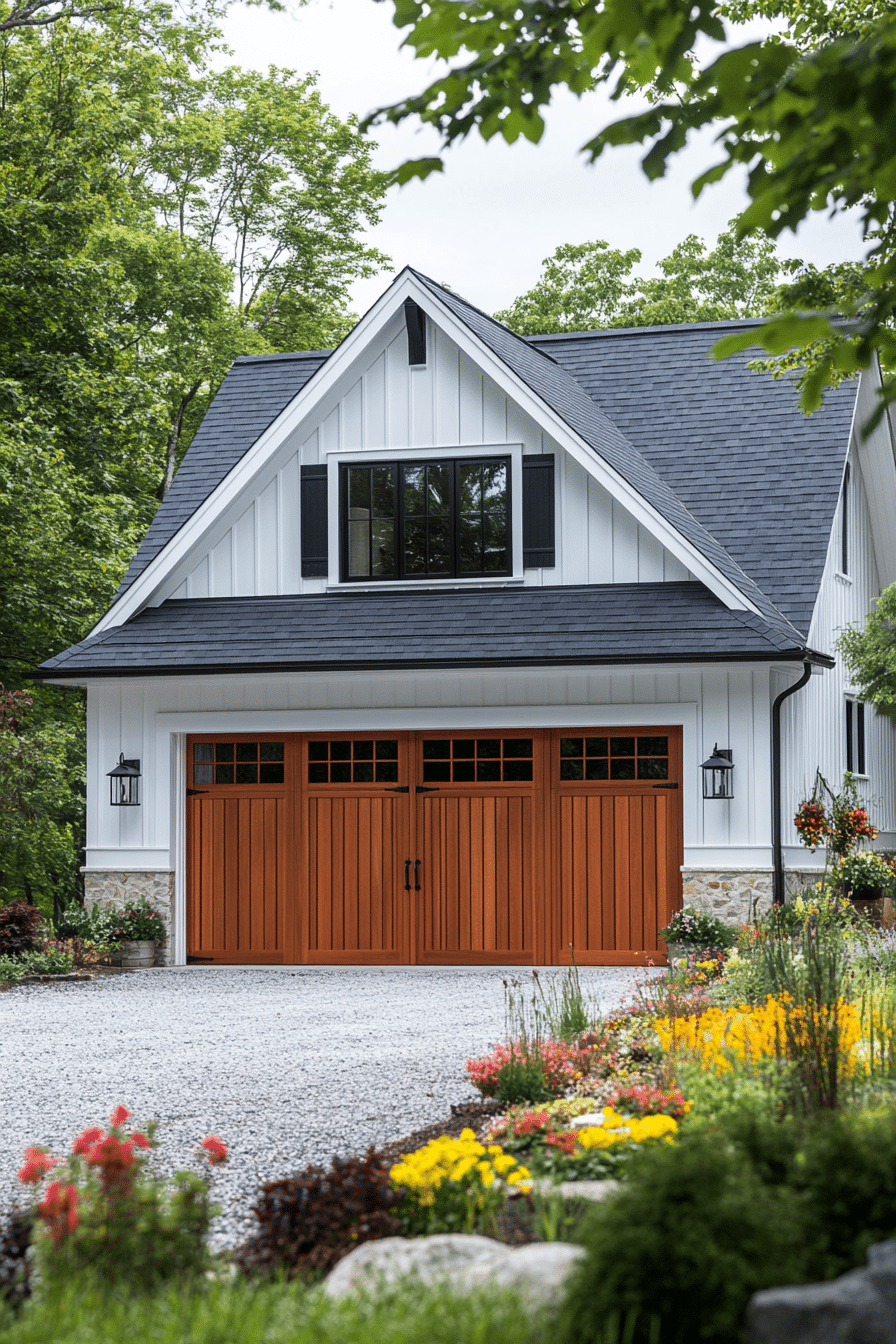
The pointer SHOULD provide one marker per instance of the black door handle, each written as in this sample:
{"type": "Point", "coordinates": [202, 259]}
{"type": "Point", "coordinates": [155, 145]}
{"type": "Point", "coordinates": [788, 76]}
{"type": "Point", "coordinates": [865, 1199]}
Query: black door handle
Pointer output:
{"type": "Point", "coordinates": [407, 874]}
{"type": "Point", "coordinates": [417, 875]}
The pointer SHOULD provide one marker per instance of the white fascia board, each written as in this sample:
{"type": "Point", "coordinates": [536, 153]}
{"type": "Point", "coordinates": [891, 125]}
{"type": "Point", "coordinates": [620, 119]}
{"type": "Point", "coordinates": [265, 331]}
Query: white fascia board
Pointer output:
{"type": "Point", "coordinates": [147, 584]}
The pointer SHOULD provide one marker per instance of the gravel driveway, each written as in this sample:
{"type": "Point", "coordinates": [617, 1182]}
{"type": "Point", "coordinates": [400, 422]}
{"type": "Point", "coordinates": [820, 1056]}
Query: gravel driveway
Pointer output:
{"type": "Point", "coordinates": [287, 1064]}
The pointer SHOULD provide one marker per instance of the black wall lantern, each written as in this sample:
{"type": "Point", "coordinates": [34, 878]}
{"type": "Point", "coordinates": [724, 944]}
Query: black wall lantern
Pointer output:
{"type": "Point", "coordinates": [124, 783]}
{"type": "Point", "coordinates": [717, 780]}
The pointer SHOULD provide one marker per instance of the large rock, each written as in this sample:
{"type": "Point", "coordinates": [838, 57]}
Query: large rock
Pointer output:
{"type": "Point", "coordinates": [539, 1271]}
{"type": "Point", "coordinates": [857, 1308]}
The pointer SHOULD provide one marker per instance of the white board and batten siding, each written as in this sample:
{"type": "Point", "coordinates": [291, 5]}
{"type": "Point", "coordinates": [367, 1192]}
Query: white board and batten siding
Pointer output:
{"type": "Point", "coordinates": [447, 403]}
{"type": "Point", "coordinates": [148, 718]}
{"type": "Point", "coordinates": [813, 720]}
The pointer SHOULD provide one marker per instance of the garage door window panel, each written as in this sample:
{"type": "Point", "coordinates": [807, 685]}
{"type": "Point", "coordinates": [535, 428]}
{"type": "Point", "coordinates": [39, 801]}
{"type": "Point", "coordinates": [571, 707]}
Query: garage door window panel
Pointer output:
{"type": "Point", "coordinates": [622, 759]}
{"type": "Point", "coordinates": [238, 763]}
{"type": "Point", "coordinates": [359, 761]}
{"type": "Point", "coordinates": [488, 760]}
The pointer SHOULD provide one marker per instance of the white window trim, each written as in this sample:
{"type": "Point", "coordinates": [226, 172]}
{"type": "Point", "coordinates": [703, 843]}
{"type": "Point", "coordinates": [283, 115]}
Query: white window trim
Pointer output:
{"type": "Point", "coordinates": [337, 458]}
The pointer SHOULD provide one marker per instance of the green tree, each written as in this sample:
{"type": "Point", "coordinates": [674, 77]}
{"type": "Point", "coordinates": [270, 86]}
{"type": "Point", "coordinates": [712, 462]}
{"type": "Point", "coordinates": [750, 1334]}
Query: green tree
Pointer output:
{"type": "Point", "coordinates": [870, 654]}
{"type": "Point", "coordinates": [809, 113]}
{"type": "Point", "coordinates": [120, 313]}
{"type": "Point", "coordinates": [587, 286]}
{"type": "Point", "coordinates": [260, 173]}
{"type": "Point", "coordinates": [581, 288]}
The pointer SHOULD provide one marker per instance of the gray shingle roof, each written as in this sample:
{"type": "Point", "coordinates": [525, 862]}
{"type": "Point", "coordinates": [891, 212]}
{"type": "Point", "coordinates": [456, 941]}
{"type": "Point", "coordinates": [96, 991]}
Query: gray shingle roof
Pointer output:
{"type": "Point", "coordinates": [257, 388]}
{"type": "Point", "coordinates": [548, 377]}
{"type": "Point", "coordinates": [612, 623]}
{"type": "Point", "coordinates": [760, 476]}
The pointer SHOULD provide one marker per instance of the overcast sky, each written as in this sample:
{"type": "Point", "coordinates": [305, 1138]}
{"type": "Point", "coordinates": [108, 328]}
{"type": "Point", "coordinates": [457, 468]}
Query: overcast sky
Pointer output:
{"type": "Point", "coordinates": [487, 223]}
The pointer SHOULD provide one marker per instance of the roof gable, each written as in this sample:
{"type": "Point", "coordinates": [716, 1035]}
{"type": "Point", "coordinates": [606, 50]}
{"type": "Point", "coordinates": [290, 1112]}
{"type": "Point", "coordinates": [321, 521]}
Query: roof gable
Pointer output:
{"type": "Point", "coordinates": [253, 394]}
{"type": "Point", "coordinates": [758, 474]}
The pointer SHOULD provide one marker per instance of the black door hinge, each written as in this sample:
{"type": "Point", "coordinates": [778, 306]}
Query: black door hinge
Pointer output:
{"type": "Point", "coordinates": [402, 788]}
{"type": "Point", "coordinates": [673, 784]}
{"type": "Point", "coordinates": [191, 793]}
{"type": "Point", "coordinates": [421, 788]}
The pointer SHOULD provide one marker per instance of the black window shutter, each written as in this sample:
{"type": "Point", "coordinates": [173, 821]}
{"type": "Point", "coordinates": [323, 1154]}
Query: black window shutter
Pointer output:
{"type": "Point", "coordinates": [538, 512]}
{"type": "Point", "coordinates": [315, 558]}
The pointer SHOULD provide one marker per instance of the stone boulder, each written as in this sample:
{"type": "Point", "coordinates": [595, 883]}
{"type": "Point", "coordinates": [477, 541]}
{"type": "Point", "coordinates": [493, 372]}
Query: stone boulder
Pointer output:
{"type": "Point", "coordinates": [538, 1272]}
{"type": "Point", "coordinates": [857, 1308]}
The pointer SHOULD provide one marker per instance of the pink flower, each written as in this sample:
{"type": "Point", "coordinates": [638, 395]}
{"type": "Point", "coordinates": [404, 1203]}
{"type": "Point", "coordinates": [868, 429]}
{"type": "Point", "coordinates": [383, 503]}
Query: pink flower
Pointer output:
{"type": "Point", "coordinates": [37, 1163]}
{"type": "Point", "coordinates": [215, 1149]}
{"type": "Point", "coordinates": [120, 1115]}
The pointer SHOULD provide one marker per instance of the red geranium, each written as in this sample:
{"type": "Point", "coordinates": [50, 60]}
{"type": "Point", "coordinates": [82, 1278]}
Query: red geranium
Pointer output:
{"type": "Point", "coordinates": [37, 1163]}
{"type": "Point", "coordinates": [84, 1142]}
{"type": "Point", "coordinates": [59, 1209]}
{"type": "Point", "coordinates": [120, 1115]}
{"type": "Point", "coordinates": [215, 1149]}
{"type": "Point", "coordinates": [116, 1159]}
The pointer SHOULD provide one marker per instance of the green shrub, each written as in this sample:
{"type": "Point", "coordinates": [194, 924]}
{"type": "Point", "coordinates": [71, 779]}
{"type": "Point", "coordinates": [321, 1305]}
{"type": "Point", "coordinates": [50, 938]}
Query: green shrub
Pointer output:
{"type": "Point", "coordinates": [54, 961]}
{"type": "Point", "coordinates": [846, 1176]}
{"type": "Point", "coordinates": [11, 970]}
{"type": "Point", "coordinates": [92, 925]}
{"type": "Point", "coordinates": [695, 928]}
{"type": "Point", "coordinates": [685, 1243]}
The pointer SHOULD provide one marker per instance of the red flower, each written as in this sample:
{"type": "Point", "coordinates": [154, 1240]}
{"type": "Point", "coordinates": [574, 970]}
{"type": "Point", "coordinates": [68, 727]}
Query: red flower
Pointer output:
{"type": "Point", "coordinates": [59, 1209]}
{"type": "Point", "coordinates": [140, 1140]}
{"type": "Point", "coordinates": [215, 1149]}
{"type": "Point", "coordinates": [84, 1142]}
{"type": "Point", "coordinates": [115, 1160]}
{"type": "Point", "coordinates": [565, 1141]}
{"type": "Point", "coordinates": [37, 1163]}
{"type": "Point", "coordinates": [120, 1115]}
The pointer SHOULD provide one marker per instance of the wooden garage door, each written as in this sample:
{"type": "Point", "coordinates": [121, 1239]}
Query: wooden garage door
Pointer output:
{"type": "Point", "coordinates": [238, 825]}
{"type": "Point", "coordinates": [617, 842]}
{"type": "Point", "coordinates": [355, 832]}
{"type": "Point", "coordinates": [474, 887]}
{"type": "Point", "coordinates": [448, 847]}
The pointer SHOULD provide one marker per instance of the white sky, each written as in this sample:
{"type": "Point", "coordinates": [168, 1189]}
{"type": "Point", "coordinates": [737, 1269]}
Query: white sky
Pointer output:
{"type": "Point", "coordinates": [485, 225]}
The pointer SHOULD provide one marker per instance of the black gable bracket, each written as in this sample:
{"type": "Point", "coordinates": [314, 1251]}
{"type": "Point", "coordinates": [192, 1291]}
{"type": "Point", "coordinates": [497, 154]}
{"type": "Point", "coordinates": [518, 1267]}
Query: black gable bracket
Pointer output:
{"type": "Point", "coordinates": [415, 321]}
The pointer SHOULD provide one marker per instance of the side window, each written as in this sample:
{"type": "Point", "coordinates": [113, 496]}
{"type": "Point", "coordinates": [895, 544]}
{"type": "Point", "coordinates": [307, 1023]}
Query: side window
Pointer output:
{"type": "Point", "coordinates": [844, 523]}
{"type": "Point", "coordinates": [855, 737]}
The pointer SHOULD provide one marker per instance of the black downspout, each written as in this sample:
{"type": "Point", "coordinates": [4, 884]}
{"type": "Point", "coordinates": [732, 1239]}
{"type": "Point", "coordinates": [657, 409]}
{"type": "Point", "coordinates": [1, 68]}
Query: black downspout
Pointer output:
{"type": "Point", "coordinates": [778, 854]}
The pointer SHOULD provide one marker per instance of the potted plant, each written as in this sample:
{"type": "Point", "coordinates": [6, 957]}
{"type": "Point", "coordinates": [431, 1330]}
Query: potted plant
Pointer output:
{"type": "Point", "coordinates": [137, 928]}
{"type": "Point", "coordinates": [691, 931]}
{"type": "Point", "coordinates": [864, 876]}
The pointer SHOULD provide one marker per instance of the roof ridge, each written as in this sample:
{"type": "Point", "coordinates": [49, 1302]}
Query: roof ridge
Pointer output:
{"type": "Point", "coordinates": [277, 357]}
{"type": "Point", "coordinates": [727, 322]}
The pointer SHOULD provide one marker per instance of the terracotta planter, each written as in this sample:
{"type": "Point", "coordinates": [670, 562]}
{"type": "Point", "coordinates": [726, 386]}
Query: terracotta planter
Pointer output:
{"type": "Point", "coordinates": [138, 953]}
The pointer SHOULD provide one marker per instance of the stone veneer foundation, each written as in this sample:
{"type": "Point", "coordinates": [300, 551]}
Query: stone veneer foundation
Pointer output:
{"type": "Point", "coordinates": [735, 895]}
{"type": "Point", "coordinates": [116, 888]}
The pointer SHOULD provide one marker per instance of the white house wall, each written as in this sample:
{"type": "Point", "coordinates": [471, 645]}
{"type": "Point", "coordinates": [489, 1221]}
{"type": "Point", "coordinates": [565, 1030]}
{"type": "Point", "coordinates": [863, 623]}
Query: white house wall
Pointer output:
{"type": "Point", "coordinates": [813, 719]}
{"type": "Point", "coordinates": [255, 549]}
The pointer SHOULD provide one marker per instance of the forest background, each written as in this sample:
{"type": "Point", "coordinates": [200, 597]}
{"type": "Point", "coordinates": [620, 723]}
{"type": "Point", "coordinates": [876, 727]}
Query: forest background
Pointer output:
{"type": "Point", "coordinates": [162, 212]}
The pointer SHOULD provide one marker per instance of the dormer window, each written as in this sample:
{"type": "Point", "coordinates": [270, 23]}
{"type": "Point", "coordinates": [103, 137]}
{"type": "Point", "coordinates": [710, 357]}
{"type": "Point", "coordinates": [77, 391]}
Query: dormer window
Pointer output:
{"type": "Point", "coordinates": [441, 519]}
